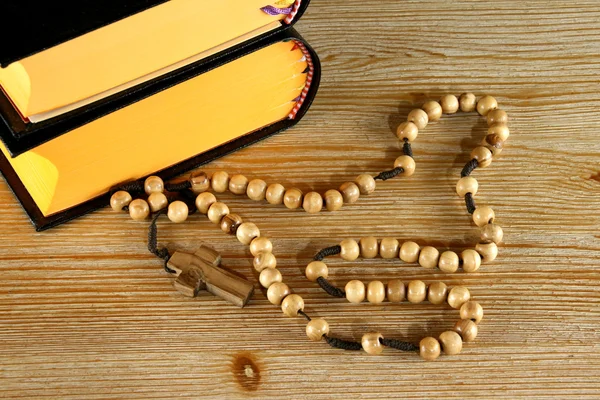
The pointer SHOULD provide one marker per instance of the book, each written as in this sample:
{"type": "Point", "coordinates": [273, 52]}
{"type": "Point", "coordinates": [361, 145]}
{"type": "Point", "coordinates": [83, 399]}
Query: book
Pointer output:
{"type": "Point", "coordinates": [188, 113]}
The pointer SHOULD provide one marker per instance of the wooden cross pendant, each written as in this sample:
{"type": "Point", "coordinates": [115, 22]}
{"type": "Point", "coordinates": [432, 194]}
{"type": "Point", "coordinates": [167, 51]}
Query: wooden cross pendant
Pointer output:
{"type": "Point", "coordinates": [202, 271]}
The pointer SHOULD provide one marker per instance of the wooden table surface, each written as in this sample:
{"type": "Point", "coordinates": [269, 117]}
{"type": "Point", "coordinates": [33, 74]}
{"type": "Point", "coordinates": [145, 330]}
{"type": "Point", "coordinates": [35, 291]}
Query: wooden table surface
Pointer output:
{"type": "Point", "coordinates": [87, 313]}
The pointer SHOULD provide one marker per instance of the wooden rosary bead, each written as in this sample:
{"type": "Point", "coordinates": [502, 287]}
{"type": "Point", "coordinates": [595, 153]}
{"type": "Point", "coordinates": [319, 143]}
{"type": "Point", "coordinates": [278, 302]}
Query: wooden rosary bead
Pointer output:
{"type": "Point", "coordinates": [247, 232]}
{"type": "Point", "coordinates": [256, 190]}
{"type": "Point", "coordinates": [178, 212]}
{"type": "Point", "coordinates": [220, 181]}
{"type": "Point", "coordinates": [376, 292]}
{"type": "Point", "coordinates": [366, 184]}
{"type": "Point", "coordinates": [350, 192]}
{"type": "Point", "coordinates": [465, 185]}
{"type": "Point", "coordinates": [448, 262]}
{"type": "Point", "coordinates": [501, 130]}
{"type": "Point", "coordinates": [313, 203]}
{"type": "Point", "coordinates": [260, 245]}
{"type": "Point", "coordinates": [467, 329]}
{"type": "Point", "coordinates": [217, 211]}
{"type": "Point", "coordinates": [316, 328]}
{"type": "Point", "coordinates": [433, 110]}
{"type": "Point", "coordinates": [349, 249]}
{"type": "Point", "coordinates": [315, 270]}
{"type": "Point", "coordinates": [483, 155]}
{"type": "Point", "coordinates": [369, 247]}
{"type": "Point", "coordinates": [292, 304]}
{"type": "Point", "coordinates": [416, 291]}
{"type": "Point", "coordinates": [429, 257]}
{"type": "Point", "coordinates": [492, 233]}
{"type": "Point", "coordinates": [154, 184]}
{"type": "Point", "coordinates": [355, 291]}
{"type": "Point", "coordinates": [497, 116]}
{"type": "Point", "coordinates": [488, 251]}
{"type": "Point", "coordinates": [407, 163]}
{"type": "Point", "coordinates": [264, 260]}
{"type": "Point", "coordinates": [437, 293]}
{"type": "Point", "coordinates": [486, 104]}
{"type": "Point", "coordinates": [333, 200]}
{"type": "Point", "coordinates": [471, 310]}
{"type": "Point", "coordinates": [493, 143]}
{"type": "Point", "coordinates": [277, 292]}
{"type": "Point", "coordinates": [204, 201]}
{"type": "Point", "coordinates": [199, 182]}
{"type": "Point", "coordinates": [157, 201]}
{"type": "Point", "coordinates": [449, 104]}
{"type": "Point", "coordinates": [230, 223]}
{"type": "Point", "coordinates": [119, 200]}
{"type": "Point", "coordinates": [458, 296]}
{"type": "Point", "coordinates": [139, 210]}
{"type": "Point", "coordinates": [451, 343]}
{"type": "Point", "coordinates": [419, 118]}
{"type": "Point", "coordinates": [293, 198]}
{"type": "Point", "coordinates": [396, 291]}
{"type": "Point", "coordinates": [388, 248]}
{"type": "Point", "coordinates": [407, 131]}
{"type": "Point", "coordinates": [409, 252]}
{"type": "Point", "coordinates": [238, 184]}
{"type": "Point", "coordinates": [467, 102]}
{"type": "Point", "coordinates": [471, 260]}
{"type": "Point", "coordinates": [269, 276]}
{"type": "Point", "coordinates": [429, 348]}
{"type": "Point", "coordinates": [371, 343]}
{"type": "Point", "coordinates": [275, 193]}
{"type": "Point", "coordinates": [483, 215]}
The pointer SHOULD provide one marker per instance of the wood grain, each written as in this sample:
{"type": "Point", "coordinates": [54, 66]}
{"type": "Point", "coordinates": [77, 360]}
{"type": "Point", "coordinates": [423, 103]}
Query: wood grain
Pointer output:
{"type": "Point", "coordinates": [87, 313]}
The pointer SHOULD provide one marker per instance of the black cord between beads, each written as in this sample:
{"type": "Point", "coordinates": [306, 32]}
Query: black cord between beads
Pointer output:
{"type": "Point", "coordinates": [329, 288]}
{"type": "Point", "coordinates": [342, 344]}
{"type": "Point", "coordinates": [305, 315]}
{"type": "Point", "coordinates": [470, 202]}
{"type": "Point", "coordinates": [153, 242]}
{"type": "Point", "coordinates": [385, 175]}
{"type": "Point", "coordinates": [407, 149]}
{"type": "Point", "coordinates": [399, 345]}
{"type": "Point", "coordinates": [132, 187]}
{"type": "Point", "coordinates": [328, 251]}
{"type": "Point", "coordinates": [178, 187]}
{"type": "Point", "coordinates": [469, 167]}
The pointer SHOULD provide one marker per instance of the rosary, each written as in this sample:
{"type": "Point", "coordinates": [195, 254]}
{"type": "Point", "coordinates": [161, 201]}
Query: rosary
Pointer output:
{"type": "Point", "coordinates": [202, 270]}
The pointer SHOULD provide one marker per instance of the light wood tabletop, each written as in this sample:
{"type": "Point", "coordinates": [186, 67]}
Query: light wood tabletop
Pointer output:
{"type": "Point", "coordinates": [87, 313]}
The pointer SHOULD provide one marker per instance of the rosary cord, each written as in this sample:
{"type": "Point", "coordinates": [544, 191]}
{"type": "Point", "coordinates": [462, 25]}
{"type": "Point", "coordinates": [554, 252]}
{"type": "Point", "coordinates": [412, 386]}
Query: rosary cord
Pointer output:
{"type": "Point", "coordinates": [407, 149]}
{"type": "Point", "coordinates": [385, 175]}
{"type": "Point", "coordinates": [330, 289]}
{"type": "Point", "coordinates": [153, 242]}
{"type": "Point", "coordinates": [138, 186]}
{"type": "Point", "coordinates": [399, 345]}
{"type": "Point", "coordinates": [342, 344]}
{"type": "Point", "coordinates": [328, 251]}
{"type": "Point", "coordinates": [470, 202]}
{"type": "Point", "coordinates": [466, 171]}
{"type": "Point", "coordinates": [469, 167]}
{"type": "Point", "coordinates": [178, 187]}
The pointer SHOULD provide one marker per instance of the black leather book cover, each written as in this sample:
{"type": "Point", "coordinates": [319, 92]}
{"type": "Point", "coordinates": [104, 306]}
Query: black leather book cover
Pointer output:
{"type": "Point", "coordinates": [31, 26]}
